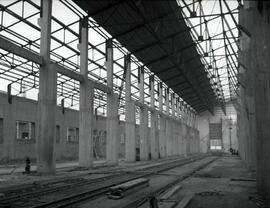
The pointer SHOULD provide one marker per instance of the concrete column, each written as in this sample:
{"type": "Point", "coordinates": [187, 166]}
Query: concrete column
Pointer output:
{"type": "Point", "coordinates": [188, 116]}
{"type": "Point", "coordinates": [153, 139]}
{"type": "Point", "coordinates": [9, 125]}
{"type": "Point", "coordinates": [178, 127]}
{"type": "Point", "coordinates": [181, 127]}
{"type": "Point", "coordinates": [47, 97]}
{"type": "Point", "coordinates": [188, 140]}
{"type": "Point", "coordinates": [191, 119]}
{"type": "Point", "coordinates": [130, 145]}
{"type": "Point", "coordinates": [174, 126]}
{"type": "Point", "coordinates": [258, 25]}
{"type": "Point", "coordinates": [168, 125]}
{"type": "Point", "coordinates": [162, 136]}
{"type": "Point", "coordinates": [197, 141]}
{"type": "Point", "coordinates": [144, 151]}
{"type": "Point", "coordinates": [195, 121]}
{"type": "Point", "coordinates": [112, 123]}
{"type": "Point", "coordinates": [185, 137]}
{"type": "Point", "coordinates": [173, 104]}
{"type": "Point", "coordinates": [178, 108]}
{"type": "Point", "coordinates": [181, 138]}
{"type": "Point", "coordinates": [162, 143]}
{"type": "Point", "coordinates": [168, 137]}
{"type": "Point", "coordinates": [86, 102]}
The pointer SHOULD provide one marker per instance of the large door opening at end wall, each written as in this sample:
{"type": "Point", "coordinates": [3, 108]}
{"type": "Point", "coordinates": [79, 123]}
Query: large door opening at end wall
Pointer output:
{"type": "Point", "coordinates": [215, 136]}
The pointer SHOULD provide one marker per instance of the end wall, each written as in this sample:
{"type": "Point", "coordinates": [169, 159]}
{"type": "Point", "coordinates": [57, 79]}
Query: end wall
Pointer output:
{"type": "Point", "coordinates": [205, 118]}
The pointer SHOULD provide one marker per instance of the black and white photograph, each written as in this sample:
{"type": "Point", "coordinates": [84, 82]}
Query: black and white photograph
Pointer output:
{"type": "Point", "coordinates": [134, 104]}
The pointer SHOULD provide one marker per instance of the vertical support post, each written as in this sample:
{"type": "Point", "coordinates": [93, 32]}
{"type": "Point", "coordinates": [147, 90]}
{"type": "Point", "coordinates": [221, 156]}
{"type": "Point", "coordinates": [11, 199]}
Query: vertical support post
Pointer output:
{"type": "Point", "coordinates": [178, 108]}
{"type": "Point", "coordinates": [167, 101]}
{"type": "Point", "coordinates": [153, 140]}
{"type": "Point", "coordinates": [196, 121]}
{"type": "Point", "coordinates": [193, 119]}
{"type": "Point", "coordinates": [10, 132]}
{"type": "Point", "coordinates": [173, 104]}
{"type": "Point", "coordinates": [178, 127]}
{"type": "Point", "coordinates": [190, 118]}
{"type": "Point", "coordinates": [185, 139]}
{"type": "Point", "coordinates": [173, 124]}
{"type": "Point", "coordinates": [112, 122]}
{"type": "Point", "coordinates": [168, 125]}
{"type": "Point", "coordinates": [47, 97]}
{"type": "Point", "coordinates": [130, 145]}
{"type": "Point", "coordinates": [86, 102]}
{"type": "Point", "coordinates": [187, 114]}
{"type": "Point", "coordinates": [162, 141]}
{"type": "Point", "coordinates": [181, 127]}
{"type": "Point", "coordinates": [144, 151]}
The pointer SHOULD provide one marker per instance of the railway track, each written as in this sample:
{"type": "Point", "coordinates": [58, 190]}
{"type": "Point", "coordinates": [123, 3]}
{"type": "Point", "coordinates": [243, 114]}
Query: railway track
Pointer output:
{"type": "Point", "coordinates": [45, 184]}
{"type": "Point", "coordinates": [144, 199]}
{"type": "Point", "coordinates": [96, 188]}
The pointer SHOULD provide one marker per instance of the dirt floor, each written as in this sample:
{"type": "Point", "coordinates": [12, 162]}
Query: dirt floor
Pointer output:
{"type": "Point", "coordinates": [156, 182]}
{"type": "Point", "coordinates": [224, 183]}
{"type": "Point", "coordinates": [12, 175]}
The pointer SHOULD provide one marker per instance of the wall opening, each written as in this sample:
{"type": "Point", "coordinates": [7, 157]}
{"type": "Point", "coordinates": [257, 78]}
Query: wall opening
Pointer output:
{"type": "Point", "coordinates": [57, 134]}
{"type": "Point", "coordinates": [215, 134]}
{"type": "Point", "coordinates": [73, 134]}
{"type": "Point", "coordinates": [25, 130]}
{"type": "Point", "coordinates": [215, 144]}
{"type": "Point", "coordinates": [1, 130]}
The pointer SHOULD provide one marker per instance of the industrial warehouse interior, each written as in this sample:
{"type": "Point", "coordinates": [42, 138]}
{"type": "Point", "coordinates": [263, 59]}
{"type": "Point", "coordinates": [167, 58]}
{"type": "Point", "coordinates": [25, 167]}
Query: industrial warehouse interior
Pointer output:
{"type": "Point", "coordinates": [134, 103]}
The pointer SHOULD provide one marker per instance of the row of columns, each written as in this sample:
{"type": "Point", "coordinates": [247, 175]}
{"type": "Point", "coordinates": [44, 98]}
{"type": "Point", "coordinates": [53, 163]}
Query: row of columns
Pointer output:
{"type": "Point", "coordinates": [47, 101]}
{"type": "Point", "coordinates": [167, 133]}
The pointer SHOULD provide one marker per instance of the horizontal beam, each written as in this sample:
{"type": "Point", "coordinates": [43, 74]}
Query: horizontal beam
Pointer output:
{"type": "Point", "coordinates": [19, 51]}
{"type": "Point", "coordinates": [102, 87]}
{"type": "Point", "coordinates": [36, 58]}
{"type": "Point", "coordinates": [67, 72]}
{"type": "Point", "coordinates": [76, 76]}
{"type": "Point", "coordinates": [142, 105]}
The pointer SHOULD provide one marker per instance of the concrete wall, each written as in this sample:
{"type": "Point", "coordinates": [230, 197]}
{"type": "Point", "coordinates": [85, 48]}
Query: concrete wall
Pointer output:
{"type": "Point", "coordinates": [23, 109]}
{"type": "Point", "coordinates": [254, 90]}
{"type": "Point", "coordinates": [205, 118]}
